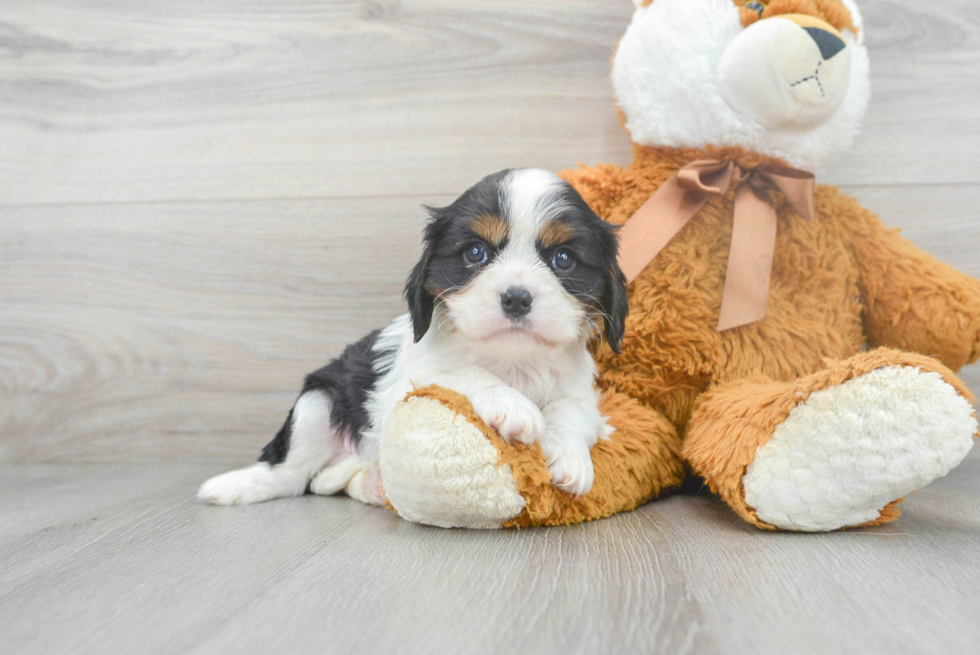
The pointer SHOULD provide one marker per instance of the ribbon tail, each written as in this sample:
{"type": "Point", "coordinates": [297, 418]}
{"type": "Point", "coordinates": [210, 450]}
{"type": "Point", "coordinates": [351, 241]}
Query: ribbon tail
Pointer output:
{"type": "Point", "coordinates": [797, 187]}
{"type": "Point", "coordinates": [746, 292]}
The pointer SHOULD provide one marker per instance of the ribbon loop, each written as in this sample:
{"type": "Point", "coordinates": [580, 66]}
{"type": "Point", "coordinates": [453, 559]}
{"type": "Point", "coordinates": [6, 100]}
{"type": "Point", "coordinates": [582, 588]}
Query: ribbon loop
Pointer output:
{"type": "Point", "coordinates": [750, 257]}
{"type": "Point", "coordinates": [706, 176]}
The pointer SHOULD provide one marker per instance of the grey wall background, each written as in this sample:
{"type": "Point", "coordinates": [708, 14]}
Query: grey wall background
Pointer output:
{"type": "Point", "coordinates": [202, 201]}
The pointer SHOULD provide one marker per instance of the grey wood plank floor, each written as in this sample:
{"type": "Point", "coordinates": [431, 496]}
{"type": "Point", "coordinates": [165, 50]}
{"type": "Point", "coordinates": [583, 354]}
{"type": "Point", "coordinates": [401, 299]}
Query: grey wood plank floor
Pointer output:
{"type": "Point", "coordinates": [200, 201]}
{"type": "Point", "coordinates": [110, 558]}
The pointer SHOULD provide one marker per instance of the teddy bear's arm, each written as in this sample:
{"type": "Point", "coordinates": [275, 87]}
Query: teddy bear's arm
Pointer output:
{"type": "Point", "coordinates": [912, 301]}
{"type": "Point", "coordinates": [444, 466]}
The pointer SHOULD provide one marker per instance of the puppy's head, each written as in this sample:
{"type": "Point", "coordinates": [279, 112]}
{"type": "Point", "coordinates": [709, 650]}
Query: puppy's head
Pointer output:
{"type": "Point", "coordinates": [520, 263]}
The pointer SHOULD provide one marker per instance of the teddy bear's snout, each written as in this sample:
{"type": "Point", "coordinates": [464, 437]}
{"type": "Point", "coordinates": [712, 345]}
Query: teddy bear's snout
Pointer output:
{"type": "Point", "coordinates": [786, 72]}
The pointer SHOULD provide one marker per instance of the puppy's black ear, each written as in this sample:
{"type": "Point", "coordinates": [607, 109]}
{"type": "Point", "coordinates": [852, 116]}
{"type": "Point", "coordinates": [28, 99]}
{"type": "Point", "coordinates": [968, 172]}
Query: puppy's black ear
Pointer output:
{"type": "Point", "coordinates": [420, 301]}
{"type": "Point", "coordinates": [615, 307]}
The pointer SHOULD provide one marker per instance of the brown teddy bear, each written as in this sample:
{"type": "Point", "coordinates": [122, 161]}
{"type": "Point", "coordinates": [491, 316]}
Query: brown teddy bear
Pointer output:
{"type": "Point", "coordinates": [782, 343]}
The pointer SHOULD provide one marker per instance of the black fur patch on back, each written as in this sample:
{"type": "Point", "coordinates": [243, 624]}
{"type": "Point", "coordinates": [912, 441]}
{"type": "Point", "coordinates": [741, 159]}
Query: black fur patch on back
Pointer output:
{"type": "Point", "coordinates": [347, 381]}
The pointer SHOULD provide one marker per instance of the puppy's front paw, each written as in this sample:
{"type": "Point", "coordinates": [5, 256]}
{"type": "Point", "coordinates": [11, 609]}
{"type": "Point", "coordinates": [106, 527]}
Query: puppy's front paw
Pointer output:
{"type": "Point", "coordinates": [510, 413]}
{"type": "Point", "coordinates": [570, 470]}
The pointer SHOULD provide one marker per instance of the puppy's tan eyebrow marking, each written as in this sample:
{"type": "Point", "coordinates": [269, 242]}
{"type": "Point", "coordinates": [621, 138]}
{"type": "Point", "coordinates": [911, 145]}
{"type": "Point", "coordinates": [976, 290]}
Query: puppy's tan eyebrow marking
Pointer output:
{"type": "Point", "coordinates": [491, 228]}
{"type": "Point", "coordinates": [555, 233]}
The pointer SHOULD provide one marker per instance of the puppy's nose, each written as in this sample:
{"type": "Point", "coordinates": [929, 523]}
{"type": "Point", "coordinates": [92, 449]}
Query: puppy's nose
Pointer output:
{"type": "Point", "coordinates": [516, 302]}
{"type": "Point", "coordinates": [829, 44]}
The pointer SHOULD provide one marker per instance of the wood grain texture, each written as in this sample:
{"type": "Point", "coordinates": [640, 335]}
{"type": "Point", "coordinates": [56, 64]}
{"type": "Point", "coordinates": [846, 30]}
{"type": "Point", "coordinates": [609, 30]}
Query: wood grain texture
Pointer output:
{"type": "Point", "coordinates": [107, 101]}
{"type": "Point", "coordinates": [191, 100]}
{"type": "Point", "coordinates": [162, 331]}
{"type": "Point", "coordinates": [119, 558]}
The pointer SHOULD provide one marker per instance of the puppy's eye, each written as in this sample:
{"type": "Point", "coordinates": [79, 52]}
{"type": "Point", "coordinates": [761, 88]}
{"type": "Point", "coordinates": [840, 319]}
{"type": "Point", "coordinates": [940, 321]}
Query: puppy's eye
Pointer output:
{"type": "Point", "coordinates": [475, 254]}
{"type": "Point", "coordinates": [562, 261]}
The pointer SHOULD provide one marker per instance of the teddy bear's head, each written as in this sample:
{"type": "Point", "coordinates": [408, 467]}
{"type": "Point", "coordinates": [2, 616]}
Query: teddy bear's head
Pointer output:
{"type": "Point", "coordinates": [787, 78]}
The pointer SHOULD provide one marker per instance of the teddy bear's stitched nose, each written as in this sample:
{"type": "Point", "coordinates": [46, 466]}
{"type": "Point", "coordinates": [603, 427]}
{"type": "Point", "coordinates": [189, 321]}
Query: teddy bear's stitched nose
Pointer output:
{"type": "Point", "coordinates": [829, 44]}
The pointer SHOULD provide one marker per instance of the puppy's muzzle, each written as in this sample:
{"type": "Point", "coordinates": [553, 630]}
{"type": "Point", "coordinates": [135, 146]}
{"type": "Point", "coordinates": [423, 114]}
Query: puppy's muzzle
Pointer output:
{"type": "Point", "coordinates": [516, 302]}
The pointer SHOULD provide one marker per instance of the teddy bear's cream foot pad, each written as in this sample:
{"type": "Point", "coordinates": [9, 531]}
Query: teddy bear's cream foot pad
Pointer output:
{"type": "Point", "coordinates": [849, 450]}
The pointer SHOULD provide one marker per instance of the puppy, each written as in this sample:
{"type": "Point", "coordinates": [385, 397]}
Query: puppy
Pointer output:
{"type": "Point", "coordinates": [514, 280]}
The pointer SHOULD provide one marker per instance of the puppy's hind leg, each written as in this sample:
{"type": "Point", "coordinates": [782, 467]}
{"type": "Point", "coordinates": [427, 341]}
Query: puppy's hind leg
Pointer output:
{"type": "Point", "coordinates": [304, 445]}
{"type": "Point", "coordinates": [359, 477]}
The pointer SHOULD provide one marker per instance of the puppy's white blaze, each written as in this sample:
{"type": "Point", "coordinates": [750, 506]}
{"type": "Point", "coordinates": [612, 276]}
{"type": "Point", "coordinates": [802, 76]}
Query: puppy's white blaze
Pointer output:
{"type": "Point", "coordinates": [531, 200]}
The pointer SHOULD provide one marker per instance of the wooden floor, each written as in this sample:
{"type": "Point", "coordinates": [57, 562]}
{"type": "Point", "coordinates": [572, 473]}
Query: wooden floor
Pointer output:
{"type": "Point", "coordinates": [201, 200]}
{"type": "Point", "coordinates": [110, 558]}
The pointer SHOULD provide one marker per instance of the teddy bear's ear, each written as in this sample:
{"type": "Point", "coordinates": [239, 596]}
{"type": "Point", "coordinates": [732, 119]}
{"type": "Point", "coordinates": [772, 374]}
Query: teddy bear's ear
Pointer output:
{"type": "Point", "coordinates": [615, 305]}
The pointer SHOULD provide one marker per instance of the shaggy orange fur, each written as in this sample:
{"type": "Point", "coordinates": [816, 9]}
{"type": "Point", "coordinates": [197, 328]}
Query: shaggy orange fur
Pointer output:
{"type": "Point", "coordinates": [830, 11]}
{"type": "Point", "coordinates": [837, 283]}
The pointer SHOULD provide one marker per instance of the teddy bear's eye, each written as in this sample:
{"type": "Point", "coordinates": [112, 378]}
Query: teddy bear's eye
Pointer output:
{"type": "Point", "coordinates": [756, 6]}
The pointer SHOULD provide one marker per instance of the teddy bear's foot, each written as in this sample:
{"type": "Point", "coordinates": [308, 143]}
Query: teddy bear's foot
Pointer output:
{"type": "Point", "coordinates": [835, 449]}
{"type": "Point", "coordinates": [850, 450]}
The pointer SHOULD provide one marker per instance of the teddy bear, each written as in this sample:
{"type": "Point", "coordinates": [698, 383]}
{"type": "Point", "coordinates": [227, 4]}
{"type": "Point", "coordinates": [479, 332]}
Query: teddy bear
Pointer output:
{"type": "Point", "coordinates": [783, 345]}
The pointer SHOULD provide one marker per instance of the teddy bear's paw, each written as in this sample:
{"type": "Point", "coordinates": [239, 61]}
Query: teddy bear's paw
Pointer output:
{"type": "Point", "coordinates": [441, 469]}
{"type": "Point", "coordinates": [851, 449]}
{"type": "Point", "coordinates": [510, 413]}
{"type": "Point", "coordinates": [570, 468]}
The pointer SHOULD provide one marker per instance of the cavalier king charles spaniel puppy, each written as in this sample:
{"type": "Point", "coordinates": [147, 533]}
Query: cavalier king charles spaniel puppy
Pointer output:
{"type": "Point", "coordinates": [517, 277]}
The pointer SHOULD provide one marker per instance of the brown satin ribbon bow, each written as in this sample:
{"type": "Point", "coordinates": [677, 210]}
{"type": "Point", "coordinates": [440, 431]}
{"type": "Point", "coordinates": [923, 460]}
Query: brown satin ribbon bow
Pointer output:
{"type": "Point", "coordinates": [675, 203]}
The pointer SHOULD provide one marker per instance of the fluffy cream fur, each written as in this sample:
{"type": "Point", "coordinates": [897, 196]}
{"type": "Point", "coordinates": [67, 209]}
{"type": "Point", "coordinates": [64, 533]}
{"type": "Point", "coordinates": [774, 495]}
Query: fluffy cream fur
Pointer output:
{"type": "Point", "coordinates": [439, 469]}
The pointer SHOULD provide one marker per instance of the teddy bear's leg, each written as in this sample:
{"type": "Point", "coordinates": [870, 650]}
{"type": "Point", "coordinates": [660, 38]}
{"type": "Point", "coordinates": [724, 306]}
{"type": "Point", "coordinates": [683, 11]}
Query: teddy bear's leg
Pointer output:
{"type": "Point", "coordinates": [834, 449]}
{"type": "Point", "coordinates": [912, 300]}
{"type": "Point", "coordinates": [441, 465]}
